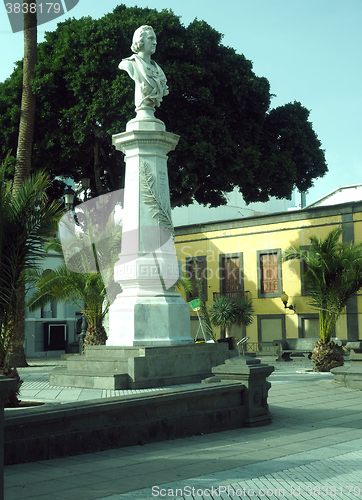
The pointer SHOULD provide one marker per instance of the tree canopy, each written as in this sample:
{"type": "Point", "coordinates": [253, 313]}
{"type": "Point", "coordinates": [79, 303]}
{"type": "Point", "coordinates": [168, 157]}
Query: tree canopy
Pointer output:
{"type": "Point", "coordinates": [229, 136]}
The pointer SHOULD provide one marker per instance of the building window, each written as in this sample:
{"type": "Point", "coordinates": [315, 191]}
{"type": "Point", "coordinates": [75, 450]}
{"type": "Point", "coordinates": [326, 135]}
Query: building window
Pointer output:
{"type": "Point", "coordinates": [231, 275]}
{"type": "Point", "coordinates": [270, 328]}
{"type": "Point", "coordinates": [308, 326]}
{"type": "Point", "coordinates": [202, 273]}
{"type": "Point", "coordinates": [269, 273]}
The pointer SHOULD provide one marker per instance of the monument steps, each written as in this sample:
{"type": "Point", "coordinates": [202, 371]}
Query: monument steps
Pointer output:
{"type": "Point", "coordinates": [62, 377]}
{"type": "Point", "coordinates": [97, 366]}
{"type": "Point", "coordinates": [127, 367]}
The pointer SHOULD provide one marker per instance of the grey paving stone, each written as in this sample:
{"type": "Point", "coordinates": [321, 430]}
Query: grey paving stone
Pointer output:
{"type": "Point", "coordinates": [315, 437]}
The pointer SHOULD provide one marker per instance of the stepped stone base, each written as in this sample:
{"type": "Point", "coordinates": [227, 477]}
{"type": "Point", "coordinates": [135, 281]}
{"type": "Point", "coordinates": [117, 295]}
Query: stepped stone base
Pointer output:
{"type": "Point", "coordinates": [130, 367]}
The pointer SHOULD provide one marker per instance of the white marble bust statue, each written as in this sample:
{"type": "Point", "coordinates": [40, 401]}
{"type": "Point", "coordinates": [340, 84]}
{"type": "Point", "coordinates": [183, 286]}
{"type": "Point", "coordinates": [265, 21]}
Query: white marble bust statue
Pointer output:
{"type": "Point", "coordinates": [149, 78]}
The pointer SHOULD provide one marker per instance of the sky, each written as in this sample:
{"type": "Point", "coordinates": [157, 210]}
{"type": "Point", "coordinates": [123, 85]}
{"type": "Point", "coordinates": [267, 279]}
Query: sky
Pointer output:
{"type": "Point", "coordinates": [309, 50]}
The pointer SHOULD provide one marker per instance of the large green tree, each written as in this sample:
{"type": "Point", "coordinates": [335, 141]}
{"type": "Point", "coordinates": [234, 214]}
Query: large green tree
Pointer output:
{"type": "Point", "coordinates": [219, 107]}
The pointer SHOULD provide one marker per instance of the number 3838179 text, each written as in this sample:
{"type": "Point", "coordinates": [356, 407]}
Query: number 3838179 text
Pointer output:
{"type": "Point", "coordinates": [24, 8]}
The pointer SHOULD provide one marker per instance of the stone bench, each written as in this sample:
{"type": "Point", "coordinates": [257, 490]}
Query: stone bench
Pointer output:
{"type": "Point", "coordinates": [355, 349]}
{"type": "Point", "coordinates": [305, 346]}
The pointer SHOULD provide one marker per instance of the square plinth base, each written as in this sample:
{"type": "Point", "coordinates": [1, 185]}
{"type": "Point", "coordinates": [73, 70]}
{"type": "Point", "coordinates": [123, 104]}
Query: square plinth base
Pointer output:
{"type": "Point", "coordinates": [116, 368]}
{"type": "Point", "coordinates": [149, 321]}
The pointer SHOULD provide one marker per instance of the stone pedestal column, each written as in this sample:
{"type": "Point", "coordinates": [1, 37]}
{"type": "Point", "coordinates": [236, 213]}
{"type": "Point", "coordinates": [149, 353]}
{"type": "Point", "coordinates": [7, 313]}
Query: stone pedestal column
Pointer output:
{"type": "Point", "coordinates": [148, 312]}
{"type": "Point", "coordinates": [253, 374]}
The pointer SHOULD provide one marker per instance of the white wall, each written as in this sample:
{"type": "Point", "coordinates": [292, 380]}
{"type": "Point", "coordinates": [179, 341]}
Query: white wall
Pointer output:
{"type": "Point", "coordinates": [235, 209]}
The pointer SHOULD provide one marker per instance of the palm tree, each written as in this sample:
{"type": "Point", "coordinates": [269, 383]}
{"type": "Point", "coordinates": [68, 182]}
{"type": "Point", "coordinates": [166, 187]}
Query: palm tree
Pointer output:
{"type": "Point", "coordinates": [23, 161]}
{"type": "Point", "coordinates": [26, 222]}
{"type": "Point", "coordinates": [244, 311]}
{"type": "Point", "coordinates": [86, 290]}
{"type": "Point", "coordinates": [334, 274]}
{"type": "Point", "coordinates": [93, 292]}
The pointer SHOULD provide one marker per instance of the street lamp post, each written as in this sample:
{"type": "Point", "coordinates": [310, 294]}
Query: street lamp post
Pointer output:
{"type": "Point", "coordinates": [69, 198]}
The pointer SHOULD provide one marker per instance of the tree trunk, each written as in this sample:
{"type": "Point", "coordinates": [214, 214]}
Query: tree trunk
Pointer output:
{"type": "Point", "coordinates": [97, 170]}
{"type": "Point", "coordinates": [183, 197]}
{"type": "Point", "coordinates": [16, 354]}
{"type": "Point", "coordinates": [95, 336]}
{"type": "Point", "coordinates": [27, 113]}
{"type": "Point", "coordinates": [222, 333]}
{"type": "Point", "coordinates": [326, 355]}
{"type": "Point", "coordinates": [11, 400]}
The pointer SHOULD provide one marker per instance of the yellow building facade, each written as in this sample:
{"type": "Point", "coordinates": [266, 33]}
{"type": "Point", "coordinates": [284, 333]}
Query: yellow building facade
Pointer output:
{"type": "Point", "coordinates": [244, 257]}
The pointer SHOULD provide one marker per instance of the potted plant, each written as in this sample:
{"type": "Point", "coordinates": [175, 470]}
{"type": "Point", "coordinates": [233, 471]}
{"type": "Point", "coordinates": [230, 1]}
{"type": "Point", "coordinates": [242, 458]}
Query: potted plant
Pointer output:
{"type": "Point", "coordinates": [227, 311]}
{"type": "Point", "coordinates": [223, 315]}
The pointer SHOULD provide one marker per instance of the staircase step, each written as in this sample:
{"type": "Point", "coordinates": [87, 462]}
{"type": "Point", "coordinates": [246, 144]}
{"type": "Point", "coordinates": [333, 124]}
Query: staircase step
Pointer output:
{"type": "Point", "coordinates": [88, 380]}
{"type": "Point", "coordinates": [97, 366]}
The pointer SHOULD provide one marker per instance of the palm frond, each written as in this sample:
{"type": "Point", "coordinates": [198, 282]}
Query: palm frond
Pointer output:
{"type": "Point", "coordinates": [157, 207]}
{"type": "Point", "coordinates": [26, 220]}
{"type": "Point", "coordinates": [185, 283]}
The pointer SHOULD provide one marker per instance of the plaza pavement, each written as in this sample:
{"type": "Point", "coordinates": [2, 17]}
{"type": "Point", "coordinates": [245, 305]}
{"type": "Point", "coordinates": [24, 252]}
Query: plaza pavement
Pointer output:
{"type": "Point", "coordinates": [311, 450]}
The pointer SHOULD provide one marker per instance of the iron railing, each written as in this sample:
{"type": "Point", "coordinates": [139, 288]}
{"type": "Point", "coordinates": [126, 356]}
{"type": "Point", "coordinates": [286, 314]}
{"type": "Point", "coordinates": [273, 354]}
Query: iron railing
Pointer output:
{"type": "Point", "coordinates": [252, 347]}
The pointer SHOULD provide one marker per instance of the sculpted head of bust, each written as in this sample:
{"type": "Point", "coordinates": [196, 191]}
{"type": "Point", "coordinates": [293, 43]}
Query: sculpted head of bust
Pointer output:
{"type": "Point", "coordinates": [144, 41]}
{"type": "Point", "coordinates": [149, 78]}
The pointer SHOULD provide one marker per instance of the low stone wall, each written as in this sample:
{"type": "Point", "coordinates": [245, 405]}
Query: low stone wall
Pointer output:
{"type": "Point", "coordinates": [351, 376]}
{"type": "Point", "coordinates": [46, 432]}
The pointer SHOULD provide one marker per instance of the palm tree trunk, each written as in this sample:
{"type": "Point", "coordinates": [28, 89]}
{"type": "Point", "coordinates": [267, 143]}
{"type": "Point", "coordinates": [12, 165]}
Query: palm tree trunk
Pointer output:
{"type": "Point", "coordinates": [95, 335]}
{"type": "Point", "coordinates": [27, 113]}
{"type": "Point", "coordinates": [97, 170]}
{"type": "Point", "coordinates": [16, 354]}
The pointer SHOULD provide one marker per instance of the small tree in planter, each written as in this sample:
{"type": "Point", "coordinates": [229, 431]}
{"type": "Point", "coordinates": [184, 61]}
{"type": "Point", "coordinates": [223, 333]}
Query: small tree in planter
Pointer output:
{"type": "Point", "coordinates": [334, 274]}
{"type": "Point", "coordinates": [227, 311]}
{"type": "Point", "coordinates": [223, 314]}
